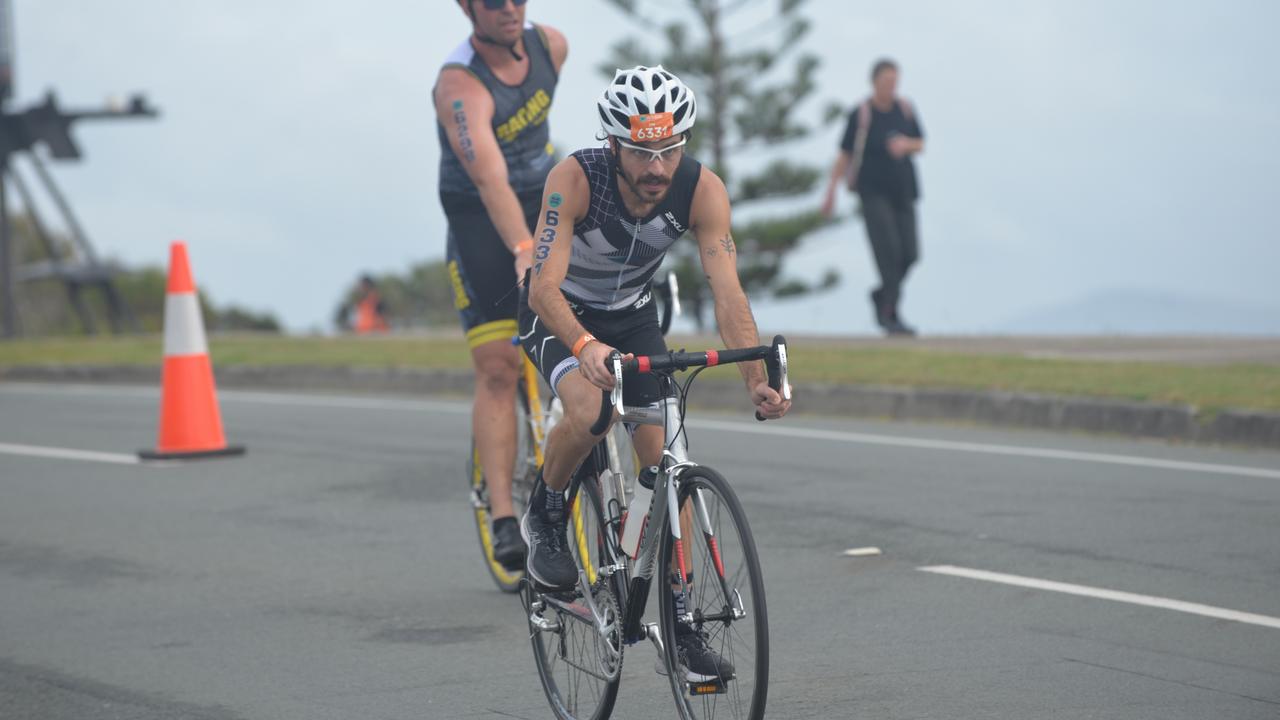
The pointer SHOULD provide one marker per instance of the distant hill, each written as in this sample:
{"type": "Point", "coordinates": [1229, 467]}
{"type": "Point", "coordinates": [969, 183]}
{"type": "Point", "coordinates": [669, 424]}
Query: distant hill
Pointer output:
{"type": "Point", "coordinates": [1147, 312]}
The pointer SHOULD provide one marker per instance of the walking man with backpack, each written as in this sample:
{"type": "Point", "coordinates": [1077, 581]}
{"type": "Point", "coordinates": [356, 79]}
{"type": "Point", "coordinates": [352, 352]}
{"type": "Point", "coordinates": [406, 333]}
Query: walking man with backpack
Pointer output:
{"type": "Point", "coordinates": [875, 161]}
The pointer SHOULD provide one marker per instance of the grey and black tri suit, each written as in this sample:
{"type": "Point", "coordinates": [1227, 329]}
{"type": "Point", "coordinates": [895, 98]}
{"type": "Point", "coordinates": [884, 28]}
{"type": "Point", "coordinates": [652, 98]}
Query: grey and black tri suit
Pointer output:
{"type": "Point", "coordinates": [481, 268]}
{"type": "Point", "coordinates": [613, 259]}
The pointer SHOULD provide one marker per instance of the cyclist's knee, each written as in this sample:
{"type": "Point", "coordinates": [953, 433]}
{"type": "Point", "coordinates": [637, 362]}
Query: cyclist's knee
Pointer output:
{"type": "Point", "coordinates": [497, 368]}
{"type": "Point", "coordinates": [581, 402]}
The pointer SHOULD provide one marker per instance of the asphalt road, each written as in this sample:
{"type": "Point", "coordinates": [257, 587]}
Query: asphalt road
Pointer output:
{"type": "Point", "coordinates": [333, 571]}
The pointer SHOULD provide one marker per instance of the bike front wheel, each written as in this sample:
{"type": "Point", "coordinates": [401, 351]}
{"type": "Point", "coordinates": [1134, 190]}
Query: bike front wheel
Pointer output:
{"type": "Point", "coordinates": [724, 604]}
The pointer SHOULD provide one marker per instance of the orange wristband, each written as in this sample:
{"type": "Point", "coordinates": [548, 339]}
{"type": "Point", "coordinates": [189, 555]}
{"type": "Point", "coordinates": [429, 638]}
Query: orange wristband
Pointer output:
{"type": "Point", "coordinates": [522, 246]}
{"type": "Point", "coordinates": [582, 342]}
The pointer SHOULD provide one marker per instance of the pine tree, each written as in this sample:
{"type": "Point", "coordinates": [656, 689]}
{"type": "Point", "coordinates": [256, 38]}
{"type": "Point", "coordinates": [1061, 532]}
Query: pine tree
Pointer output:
{"type": "Point", "coordinates": [744, 62]}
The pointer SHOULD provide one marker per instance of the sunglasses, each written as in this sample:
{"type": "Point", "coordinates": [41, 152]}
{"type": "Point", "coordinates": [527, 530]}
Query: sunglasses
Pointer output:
{"type": "Point", "coordinates": [649, 155]}
{"type": "Point", "coordinates": [499, 4]}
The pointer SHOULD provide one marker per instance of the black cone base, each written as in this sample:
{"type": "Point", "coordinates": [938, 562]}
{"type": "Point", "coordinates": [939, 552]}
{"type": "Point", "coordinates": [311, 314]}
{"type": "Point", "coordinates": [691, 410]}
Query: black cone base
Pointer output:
{"type": "Point", "coordinates": [228, 451]}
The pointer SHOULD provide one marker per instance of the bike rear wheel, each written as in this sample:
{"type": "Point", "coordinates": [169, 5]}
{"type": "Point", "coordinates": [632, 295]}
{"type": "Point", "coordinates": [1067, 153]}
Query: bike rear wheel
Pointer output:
{"type": "Point", "coordinates": [725, 600]}
{"type": "Point", "coordinates": [523, 476]}
{"type": "Point", "coordinates": [579, 666]}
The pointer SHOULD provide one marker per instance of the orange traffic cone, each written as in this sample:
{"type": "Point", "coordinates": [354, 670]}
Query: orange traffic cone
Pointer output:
{"type": "Point", "coordinates": [190, 425]}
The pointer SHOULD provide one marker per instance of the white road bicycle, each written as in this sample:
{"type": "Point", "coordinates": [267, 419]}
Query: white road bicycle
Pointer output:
{"type": "Point", "coordinates": [693, 524]}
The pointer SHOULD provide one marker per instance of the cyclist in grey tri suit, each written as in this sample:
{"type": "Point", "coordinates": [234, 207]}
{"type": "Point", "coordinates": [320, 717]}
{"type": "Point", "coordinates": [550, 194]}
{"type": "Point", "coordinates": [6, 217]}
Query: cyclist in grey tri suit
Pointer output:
{"type": "Point", "coordinates": [608, 217]}
{"type": "Point", "coordinates": [492, 100]}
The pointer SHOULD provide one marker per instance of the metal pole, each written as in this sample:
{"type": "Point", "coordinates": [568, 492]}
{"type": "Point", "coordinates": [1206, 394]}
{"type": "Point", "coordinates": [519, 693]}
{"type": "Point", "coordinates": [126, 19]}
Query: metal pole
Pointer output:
{"type": "Point", "coordinates": [77, 232]}
{"type": "Point", "coordinates": [119, 314]}
{"type": "Point", "coordinates": [69, 282]}
{"type": "Point", "coordinates": [9, 315]}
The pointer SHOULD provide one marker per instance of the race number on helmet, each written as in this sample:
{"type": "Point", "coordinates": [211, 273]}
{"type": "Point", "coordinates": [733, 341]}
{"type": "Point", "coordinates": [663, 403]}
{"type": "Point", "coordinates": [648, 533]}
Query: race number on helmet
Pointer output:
{"type": "Point", "coordinates": [644, 104]}
{"type": "Point", "coordinates": [657, 126]}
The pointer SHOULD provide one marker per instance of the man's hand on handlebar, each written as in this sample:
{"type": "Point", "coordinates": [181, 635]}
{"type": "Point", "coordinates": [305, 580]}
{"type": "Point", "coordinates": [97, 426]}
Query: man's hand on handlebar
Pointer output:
{"type": "Point", "coordinates": [769, 403]}
{"type": "Point", "coordinates": [593, 361]}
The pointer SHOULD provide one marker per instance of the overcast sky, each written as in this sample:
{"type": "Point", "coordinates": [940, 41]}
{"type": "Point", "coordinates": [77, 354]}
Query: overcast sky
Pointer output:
{"type": "Point", "coordinates": [1076, 149]}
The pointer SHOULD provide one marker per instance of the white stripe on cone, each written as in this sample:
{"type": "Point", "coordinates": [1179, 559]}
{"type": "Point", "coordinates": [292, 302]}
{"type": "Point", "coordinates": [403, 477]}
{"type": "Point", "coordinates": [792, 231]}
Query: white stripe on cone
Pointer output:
{"type": "Point", "coordinates": [183, 326]}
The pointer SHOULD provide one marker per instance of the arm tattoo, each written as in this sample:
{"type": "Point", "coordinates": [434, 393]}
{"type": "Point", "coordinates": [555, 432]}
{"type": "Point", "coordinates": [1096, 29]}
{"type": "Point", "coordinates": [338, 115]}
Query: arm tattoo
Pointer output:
{"type": "Point", "coordinates": [727, 243]}
{"type": "Point", "coordinates": [712, 252]}
{"type": "Point", "coordinates": [548, 236]}
{"type": "Point", "coordinates": [464, 135]}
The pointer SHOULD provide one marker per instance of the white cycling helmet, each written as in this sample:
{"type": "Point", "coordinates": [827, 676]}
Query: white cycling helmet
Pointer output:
{"type": "Point", "coordinates": [628, 106]}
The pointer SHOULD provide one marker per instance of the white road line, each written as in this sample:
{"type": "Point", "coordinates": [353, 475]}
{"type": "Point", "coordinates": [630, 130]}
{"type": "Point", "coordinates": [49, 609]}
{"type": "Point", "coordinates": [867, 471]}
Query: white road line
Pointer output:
{"type": "Point", "coordinates": [43, 451]}
{"type": "Point", "coordinates": [986, 448]}
{"type": "Point", "coordinates": [300, 399]}
{"type": "Point", "coordinates": [862, 552]}
{"type": "Point", "coordinates": [740, 428]}
{"type": "Point", "coordinates": [1104, 594]}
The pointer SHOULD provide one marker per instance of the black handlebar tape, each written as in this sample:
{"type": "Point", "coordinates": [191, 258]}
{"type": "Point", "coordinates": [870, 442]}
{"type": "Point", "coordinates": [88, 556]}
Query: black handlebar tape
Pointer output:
{"type": "Point", "coordinates": [773, 367]}
{"type": "Point", "coordinates": [773, 364]}
{"type": "Point", "coordinates": [679, 360]}
{"type": "Point", "coordinates": [606, 407]}
{"type": "Point", "coordinates": [606, 412]}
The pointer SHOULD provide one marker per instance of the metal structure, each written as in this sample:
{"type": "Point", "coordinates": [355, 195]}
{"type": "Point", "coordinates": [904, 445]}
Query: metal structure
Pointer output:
{"type": "Point", "coordinates": [77, 266]}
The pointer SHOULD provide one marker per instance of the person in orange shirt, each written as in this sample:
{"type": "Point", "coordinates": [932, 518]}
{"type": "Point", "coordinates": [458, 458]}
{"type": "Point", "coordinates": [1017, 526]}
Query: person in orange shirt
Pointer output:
{"type": "Point", "coordinates": [370, 309]}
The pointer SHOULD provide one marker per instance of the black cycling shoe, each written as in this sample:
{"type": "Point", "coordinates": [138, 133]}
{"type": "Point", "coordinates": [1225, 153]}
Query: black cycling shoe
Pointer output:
{"type": "Point", "coordinates": [549, 563]}
{"type": "Point", "coordinates": [508, 547]}
{"type": "Point", "coordinates": [700, 662]}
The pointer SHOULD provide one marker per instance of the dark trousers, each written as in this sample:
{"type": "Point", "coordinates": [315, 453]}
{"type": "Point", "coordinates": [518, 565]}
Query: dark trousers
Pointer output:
{"type": "Point", "coordinates": [891, 227]}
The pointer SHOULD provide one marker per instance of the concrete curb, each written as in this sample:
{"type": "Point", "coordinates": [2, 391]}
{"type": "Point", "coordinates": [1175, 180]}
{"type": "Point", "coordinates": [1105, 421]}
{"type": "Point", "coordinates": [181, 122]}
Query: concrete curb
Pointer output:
{"type": "Point", "coordinates": [1003, 409]}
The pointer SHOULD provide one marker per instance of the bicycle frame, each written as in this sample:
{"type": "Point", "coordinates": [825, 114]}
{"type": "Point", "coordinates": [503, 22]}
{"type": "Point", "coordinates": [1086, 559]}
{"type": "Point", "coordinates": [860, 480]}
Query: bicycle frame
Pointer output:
{"type": "Point", "coordinates": [675, 459]}
{"type": "Point", "coordinates": [537, 416]}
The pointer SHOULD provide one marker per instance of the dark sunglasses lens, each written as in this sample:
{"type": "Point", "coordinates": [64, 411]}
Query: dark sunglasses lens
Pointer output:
{"type": "Point", "coordinates": [499, 4]}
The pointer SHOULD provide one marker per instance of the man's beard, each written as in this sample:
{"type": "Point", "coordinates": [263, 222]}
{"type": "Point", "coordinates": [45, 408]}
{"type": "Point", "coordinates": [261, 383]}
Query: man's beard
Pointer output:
{"type": "Point", "coordinates": [649, 194]}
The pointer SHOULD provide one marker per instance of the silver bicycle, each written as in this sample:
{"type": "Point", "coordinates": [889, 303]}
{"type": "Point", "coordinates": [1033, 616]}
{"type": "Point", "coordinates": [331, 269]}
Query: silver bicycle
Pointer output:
{"type": "Point", "coordinates": [688, 529]}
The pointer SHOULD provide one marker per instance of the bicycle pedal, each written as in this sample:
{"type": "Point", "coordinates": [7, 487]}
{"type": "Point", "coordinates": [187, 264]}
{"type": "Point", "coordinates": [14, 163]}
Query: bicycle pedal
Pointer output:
{"type": "Point", "coordinates": [714, 687]}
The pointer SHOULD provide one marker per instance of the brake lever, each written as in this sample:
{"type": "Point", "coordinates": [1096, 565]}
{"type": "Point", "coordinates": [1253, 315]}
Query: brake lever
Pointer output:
{"type": "Point", "coordinates": [615, 395]}
{"type": "Point", "coordinates": [674, 287]}
{"type": "Point", "coordinates": [782, 365]}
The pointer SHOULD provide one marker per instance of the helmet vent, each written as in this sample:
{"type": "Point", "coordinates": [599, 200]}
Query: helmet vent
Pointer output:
{"type": "Point", "coordinates": [661, 105]}
{"type": "Point", "coordinates": [637, 83]}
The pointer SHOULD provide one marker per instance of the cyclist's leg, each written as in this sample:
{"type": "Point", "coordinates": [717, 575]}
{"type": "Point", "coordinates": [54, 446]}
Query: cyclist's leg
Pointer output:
{"type": "Point", "coordinates": [493, 418]}
{"type": "Point", "coordinates": [570, 441]}
{"type": "Point", "coordinates": [568, 444]}
{"type": "Point", "coordinates": [482, 277]}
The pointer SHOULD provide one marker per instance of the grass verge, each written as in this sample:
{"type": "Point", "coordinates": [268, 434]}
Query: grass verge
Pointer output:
{"type": "Point", "coordinates": [1209, 387]}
